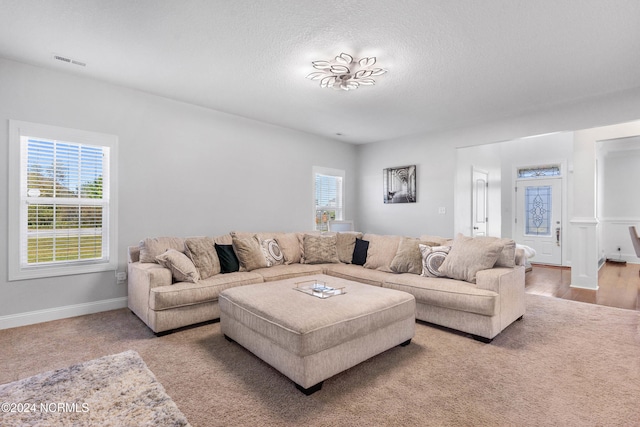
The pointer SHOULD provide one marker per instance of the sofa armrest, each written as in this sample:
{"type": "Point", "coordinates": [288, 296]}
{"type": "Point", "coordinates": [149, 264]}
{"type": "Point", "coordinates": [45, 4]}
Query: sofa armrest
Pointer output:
{"type": "Point", "coordinates": [509, 284]}
{"type": "Point", "coordinates": [142, 278]}
{"type": "Point", "coordinates": [148, 275]}
{"type": "Point", "coordinates": [492, 278]}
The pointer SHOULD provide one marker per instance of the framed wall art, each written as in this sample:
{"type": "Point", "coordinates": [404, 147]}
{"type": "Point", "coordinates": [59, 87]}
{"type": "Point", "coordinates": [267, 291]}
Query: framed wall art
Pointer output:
{"type": "Point", "coordinates": [399, 184]}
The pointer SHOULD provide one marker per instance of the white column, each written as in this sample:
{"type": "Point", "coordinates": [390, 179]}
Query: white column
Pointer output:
{"type": "Point", "coordinates": [584, 223]}
{"type": "Point", "coordinates": [584, 262]}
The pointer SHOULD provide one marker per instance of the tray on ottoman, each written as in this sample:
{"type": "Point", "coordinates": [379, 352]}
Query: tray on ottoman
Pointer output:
{"type": "Point", "coordinates": [318, 289]}
{"type": "Point", "coordinates": [311, 339]}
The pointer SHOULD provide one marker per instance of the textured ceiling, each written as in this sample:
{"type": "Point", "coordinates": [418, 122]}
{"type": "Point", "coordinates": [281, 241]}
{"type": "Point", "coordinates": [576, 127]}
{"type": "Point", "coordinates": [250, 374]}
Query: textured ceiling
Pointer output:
{"type": "Point", "coordinates": [451, 62]}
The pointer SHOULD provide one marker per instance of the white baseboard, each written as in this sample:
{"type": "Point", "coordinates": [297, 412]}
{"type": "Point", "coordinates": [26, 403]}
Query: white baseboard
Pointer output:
{"type": "Point", "coordinates": [587, 287]}
{"type": "Point", "coordinates": [39, 316]}
{"type": "Point", "coordinates": [631, 259]}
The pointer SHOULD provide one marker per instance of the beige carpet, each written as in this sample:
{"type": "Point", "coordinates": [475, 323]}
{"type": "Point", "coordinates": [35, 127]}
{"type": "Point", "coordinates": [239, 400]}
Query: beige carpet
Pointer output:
{"type": "Point", "coordinates": [114, 390]}
{"type": "Point", "coordinates": [565, 364]}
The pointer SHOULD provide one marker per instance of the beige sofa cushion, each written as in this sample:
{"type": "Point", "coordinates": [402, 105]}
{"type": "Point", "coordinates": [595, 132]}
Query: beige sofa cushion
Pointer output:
{"type": "Point", "coordinates": [281, 272]}
{"type": "Point", "coordinates": [382, 250]}
{"type": "Point", "coordinates": [224, 239]}
{"type": "Point", "coordinates": [151, 247]}
{"type": "Point", "coordinates": [346, 243]}
{"type": "Point", "coordinates": [446, 293]}
{"type": "Point", "coordinates": [291, 247]}
{"type": "Point", "coordinates": [507, 257]}
{"type": "Point", "coordinates": [437, 240]}
{"type": "Point", "coordinates": [408, 258]}
{"type": "Point", "coordinates": [320, 249]}
{"type": "Point", "coordinates": [182, 268]}
{"type": "Point", "coordinates": [468, 256]}
{"type": "Point", "coordinates": [246, 234]}
{"type": "Point", "coordinates": [203, 254]}
{"type": "Point", "coordinates": [357, 273]}
{"type": "Point", "coordinates": [186, 294]}
{"type": "Point", "coordinates": [249, 252]}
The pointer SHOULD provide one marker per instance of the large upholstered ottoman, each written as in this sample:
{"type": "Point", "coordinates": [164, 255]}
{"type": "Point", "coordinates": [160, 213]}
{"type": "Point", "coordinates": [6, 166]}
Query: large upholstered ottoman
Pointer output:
{"type": "Point", "coordinates": [310, 339]}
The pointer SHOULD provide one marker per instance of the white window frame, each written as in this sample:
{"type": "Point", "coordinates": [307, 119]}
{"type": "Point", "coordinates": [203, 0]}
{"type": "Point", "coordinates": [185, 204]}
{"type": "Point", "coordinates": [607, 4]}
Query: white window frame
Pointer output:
{"type": "Point", "coordinates": [319, 170]}
{"type": "Point", "coordinates": [16, 268]}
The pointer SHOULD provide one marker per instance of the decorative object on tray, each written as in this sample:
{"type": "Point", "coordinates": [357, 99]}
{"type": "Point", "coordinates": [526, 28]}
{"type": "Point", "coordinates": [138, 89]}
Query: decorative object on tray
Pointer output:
{"type": "Point", "coordinates": [318, 289]}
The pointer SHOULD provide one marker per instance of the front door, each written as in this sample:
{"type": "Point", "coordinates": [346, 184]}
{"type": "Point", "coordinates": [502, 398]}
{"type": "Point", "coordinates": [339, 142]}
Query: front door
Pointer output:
{"type": "Point", "coordinates": [479, 190]}
{"type": "Point", "coordinates": [539, 218]}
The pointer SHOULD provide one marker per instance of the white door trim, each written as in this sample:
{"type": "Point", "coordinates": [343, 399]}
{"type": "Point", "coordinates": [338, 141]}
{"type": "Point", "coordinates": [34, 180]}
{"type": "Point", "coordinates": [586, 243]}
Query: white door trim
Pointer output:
{"type": "Point", "coordinates": [479, 227]}
{"type": "Point", "coordinates": [565, 175]}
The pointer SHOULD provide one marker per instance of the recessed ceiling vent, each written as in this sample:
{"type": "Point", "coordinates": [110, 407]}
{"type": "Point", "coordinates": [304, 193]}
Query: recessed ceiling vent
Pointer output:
{"type": "Point", "coordinates": [69, 60]}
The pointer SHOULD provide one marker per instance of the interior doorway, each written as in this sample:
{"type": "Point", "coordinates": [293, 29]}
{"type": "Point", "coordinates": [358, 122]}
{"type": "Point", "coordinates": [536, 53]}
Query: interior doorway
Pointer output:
{"type": "Point", "coordinates": [538, 220]}
{"type": "Point", "coordinates": [479, 202]}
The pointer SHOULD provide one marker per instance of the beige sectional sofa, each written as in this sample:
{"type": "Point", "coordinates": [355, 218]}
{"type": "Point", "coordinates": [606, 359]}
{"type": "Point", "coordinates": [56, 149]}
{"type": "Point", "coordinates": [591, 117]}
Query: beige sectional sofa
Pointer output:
{"type": "Point", "coordinates": [478, 286]}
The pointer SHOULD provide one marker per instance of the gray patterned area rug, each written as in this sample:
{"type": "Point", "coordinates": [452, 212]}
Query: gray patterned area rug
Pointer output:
{"type": "Point", "coordinates": [115, 390]}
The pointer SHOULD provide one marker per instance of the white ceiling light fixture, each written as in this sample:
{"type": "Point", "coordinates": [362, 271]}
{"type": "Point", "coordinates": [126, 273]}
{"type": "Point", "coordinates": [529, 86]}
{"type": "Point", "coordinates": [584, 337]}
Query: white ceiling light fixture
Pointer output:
{"type": "Point", "coordinates": [346, 73]}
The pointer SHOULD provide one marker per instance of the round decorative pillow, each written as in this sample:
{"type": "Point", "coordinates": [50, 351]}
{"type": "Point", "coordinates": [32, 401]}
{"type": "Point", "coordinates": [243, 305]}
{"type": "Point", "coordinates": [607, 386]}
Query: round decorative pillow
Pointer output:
{"type": "Point", "coordinates": [272, 252]}
{"type": "Point", "coordinates": [432, 259]}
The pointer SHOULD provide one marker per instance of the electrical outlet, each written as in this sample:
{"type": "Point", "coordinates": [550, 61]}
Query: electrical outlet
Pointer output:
{"type": "Point", "coordinates": [442, 210]}
{"type": "Point", "coordinates": [121, 276]}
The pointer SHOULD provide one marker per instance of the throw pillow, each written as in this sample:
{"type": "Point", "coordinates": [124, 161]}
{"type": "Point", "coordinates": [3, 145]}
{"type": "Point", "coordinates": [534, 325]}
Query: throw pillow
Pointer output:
{"type": "Point", "coordinates": [408, 258]}
{"type": "Point", "coordinates": [360, 252]}
{"type": "Point", "coordinates": [436, 240]}
{"type": "Point", "coordinates": [432, 259]}
{"type": "Point", "coordinates": [249, 252]}
{"type": "Point", "coordinates": [228, 259]}
{"type": "Point", "coordinates": [507, 257]}
{"type": "Point", "coordinates": [320, 249]}
{"type": "Point", "coordinates": [468, 256]}
{"type": "Point", "coordinates": [272, 252]}
{"type": "Point", "coordinates": [243, 234]}
{"type": "Point", "coordinates": [224, 239]}
{"type": "Point", "coordinates": [382, 250]}
{"type": "Point", "coordinates": [151, 247]}
{"type": "Point", "coordinates": [345, 244]}
{"type": "Point", "coordinates": [291, 247]}
{"type": "Point", "coordinates": [182, 269]}
{"type": "Point", "coordinates": [203, 254]}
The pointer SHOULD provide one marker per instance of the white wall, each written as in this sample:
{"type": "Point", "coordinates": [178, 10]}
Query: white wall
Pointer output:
{"type": "Point", "coordinates": [586, 231]}
{"type": "Point", "coordinates": [619, 174]}
{"type": "Point", "coordinates": [435, 155]}
{"type": "Point", "coordinates": [555, 148]}
{"type": "Point", "coordinates": [488, 158]}
{"type": "Point", "coordinates": [183, 171]}
{"type": "Point", "coordinates": [501, 160]}
{"type": "Point", "coordinates": [434, 178]}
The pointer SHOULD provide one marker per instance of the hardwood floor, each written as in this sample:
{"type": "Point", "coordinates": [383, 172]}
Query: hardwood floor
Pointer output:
{"type": "Point", "coordinates": [619, 285]}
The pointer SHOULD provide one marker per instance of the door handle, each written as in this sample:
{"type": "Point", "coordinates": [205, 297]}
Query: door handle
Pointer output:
{"type": "Point", "coordinates": [558, 236]}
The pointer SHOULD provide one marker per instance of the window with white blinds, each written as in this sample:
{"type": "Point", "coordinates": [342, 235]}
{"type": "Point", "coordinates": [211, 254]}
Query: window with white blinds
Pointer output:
{"type": "Point", "coordinates": [64, 209]}
{"type": "Point", "coordinates": [329, 197]}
